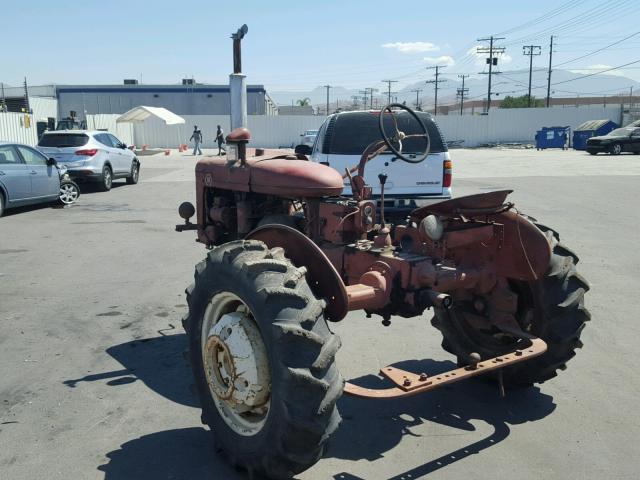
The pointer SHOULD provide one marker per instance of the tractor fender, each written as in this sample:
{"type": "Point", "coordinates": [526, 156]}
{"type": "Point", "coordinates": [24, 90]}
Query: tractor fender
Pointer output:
{"type": "Point", "coordinates": [525, 251]}
{"type": "Point", "coordinates": [323, 278]}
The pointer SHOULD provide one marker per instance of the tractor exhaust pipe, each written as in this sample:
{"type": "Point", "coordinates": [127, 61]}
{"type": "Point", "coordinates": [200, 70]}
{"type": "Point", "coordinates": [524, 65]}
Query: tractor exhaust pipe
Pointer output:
{"type": "Point", "coordinates": [442, 300]}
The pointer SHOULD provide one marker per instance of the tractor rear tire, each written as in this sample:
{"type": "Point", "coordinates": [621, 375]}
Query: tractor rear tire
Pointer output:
{"type": "Point", "coordinates": [304, 381]}
{"type": "Point", "coordinates": [559, 315]}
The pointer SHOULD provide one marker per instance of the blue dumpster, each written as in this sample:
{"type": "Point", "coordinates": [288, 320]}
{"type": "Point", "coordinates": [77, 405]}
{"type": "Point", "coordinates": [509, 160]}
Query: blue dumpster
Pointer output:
{"type": "Point", "coordinates": [552, 137]}
{"type": "Point", "coordinates": [592, 128]}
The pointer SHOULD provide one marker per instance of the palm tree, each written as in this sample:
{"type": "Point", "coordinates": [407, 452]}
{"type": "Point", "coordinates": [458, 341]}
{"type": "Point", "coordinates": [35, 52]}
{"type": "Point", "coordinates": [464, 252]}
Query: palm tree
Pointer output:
{"type": "Point", "coordinates": [304, 102]}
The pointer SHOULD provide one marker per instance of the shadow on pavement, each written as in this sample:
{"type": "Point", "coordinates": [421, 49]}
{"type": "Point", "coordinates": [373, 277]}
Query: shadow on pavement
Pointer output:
{"type": "Point", "coordinates": [181, 454]}
{"type": "Point", "coordinates": [94, 187]}
{"type": "Point", "coordinates": [157, 362]}
{"type": "Point", "coordinates": [370, 428]}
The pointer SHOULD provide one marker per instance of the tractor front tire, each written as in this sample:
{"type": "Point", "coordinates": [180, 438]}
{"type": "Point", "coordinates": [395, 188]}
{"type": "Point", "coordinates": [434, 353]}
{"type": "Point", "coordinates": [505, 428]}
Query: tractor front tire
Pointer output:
{"type": "Point", "coordinates": [556, 302]}
{"type": "Point", "coordinates": [265, 293]}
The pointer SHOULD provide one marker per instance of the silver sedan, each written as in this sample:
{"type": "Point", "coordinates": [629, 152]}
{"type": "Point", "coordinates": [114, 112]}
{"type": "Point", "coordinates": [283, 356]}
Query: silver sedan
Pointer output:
{"type": "Point", "coordinates": [28, 177]}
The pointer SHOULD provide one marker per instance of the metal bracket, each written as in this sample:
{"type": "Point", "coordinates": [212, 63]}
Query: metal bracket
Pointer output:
{"type": "Point", "coordinates": [408, 383]}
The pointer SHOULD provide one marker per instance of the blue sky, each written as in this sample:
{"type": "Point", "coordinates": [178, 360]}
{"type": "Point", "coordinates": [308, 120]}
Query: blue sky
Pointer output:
{"type": "Point", "coordinates": [294, 45]}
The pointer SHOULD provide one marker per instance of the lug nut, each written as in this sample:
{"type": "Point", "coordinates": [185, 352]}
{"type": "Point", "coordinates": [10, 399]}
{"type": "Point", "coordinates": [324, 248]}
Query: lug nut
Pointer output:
{"type": "Point", "coordinates": [474, 359]}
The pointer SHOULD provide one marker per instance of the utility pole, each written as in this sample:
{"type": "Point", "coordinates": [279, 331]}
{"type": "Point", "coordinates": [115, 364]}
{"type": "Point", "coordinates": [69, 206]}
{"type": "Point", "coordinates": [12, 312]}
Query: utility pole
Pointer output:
{"type": "Point", "coordinates": [417, 90]}
{"type": "Point", "coordinates": [3, 105]}
{"type": "Point", "coordinates": [549, 73]}
{"type": "Point", "coordinates": [26, 95]}
{"type": "Point", "coordinates": [531, 50]}
{"type": "Point", "coordinates": [389, 82]}
{"type": "Point", "coordinates": [491, 60]}
{"type": "Point", "coordinates": [462, 91]}
{"type": "Point", "coordinates": [328, 87]}
{"type": "Point", "coordinates": [364, 94]}
{"type": "Point", "coordinates": [370, 90]}
{"type": "Point", "coordinates": [436, 82]}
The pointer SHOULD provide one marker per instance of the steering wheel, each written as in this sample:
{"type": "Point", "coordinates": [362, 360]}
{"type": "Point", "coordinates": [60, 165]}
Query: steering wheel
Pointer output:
{"type": "Point", "coordinates": [399, 136]}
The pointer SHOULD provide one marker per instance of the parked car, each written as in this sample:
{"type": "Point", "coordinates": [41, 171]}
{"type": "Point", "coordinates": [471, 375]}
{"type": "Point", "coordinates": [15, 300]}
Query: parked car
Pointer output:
{"type": "Point", "coordinates": [343, 137]}
{"type": "Point", "coordinates": [28, 177]}
{"type": "Point", "coordinates": [309, 137]}
{"type": "Point", "coordinates": [91, 156]}
{"type": "Point", "coordinates": [615, 142]}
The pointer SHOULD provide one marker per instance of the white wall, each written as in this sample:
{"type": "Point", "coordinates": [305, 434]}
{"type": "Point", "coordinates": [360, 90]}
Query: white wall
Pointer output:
{"type": "Point", "coordinates": [266, 131]}
{"type": "Point", "coordinates": [12, 129]}
{"type": "Point", "coordinates": [518, 124]}
{"type": "Point", "coordinates": [105, 121]}
{"type": "Point", "coordinates": [43, 108]}
{"type": "Point", "coordinates": [501, 125]}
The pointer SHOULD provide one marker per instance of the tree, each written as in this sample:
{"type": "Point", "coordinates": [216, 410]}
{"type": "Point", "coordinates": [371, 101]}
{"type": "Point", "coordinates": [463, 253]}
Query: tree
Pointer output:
{"type": "Point", "coordinates": [304, 102]}
{"type": "Point", "coordinates": [521, 102]}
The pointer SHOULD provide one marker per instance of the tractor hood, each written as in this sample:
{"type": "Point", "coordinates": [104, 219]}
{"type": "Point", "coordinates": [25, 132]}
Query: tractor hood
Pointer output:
{"type": "Point", "coordinates": [283, 175]}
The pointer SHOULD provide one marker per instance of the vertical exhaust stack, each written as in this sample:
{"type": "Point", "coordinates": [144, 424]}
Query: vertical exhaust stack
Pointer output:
{"type": "Point", "coordinates": [238, 83]}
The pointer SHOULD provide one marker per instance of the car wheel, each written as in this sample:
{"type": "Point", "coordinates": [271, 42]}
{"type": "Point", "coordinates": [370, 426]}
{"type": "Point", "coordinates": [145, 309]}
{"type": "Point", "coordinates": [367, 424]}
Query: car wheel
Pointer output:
{"type": "Point", "coordinates": [615, 149]}
{"type": "Point", "coordinates": [1, 204]}
{"type": "Point", "coordinates": [132, 179]}
{"type": "Point", "coordinates": [69, 192]}
{"type": "Point", "coordinates": [593, 153]}
{"type": "Point", "coordinates": [107, 178]}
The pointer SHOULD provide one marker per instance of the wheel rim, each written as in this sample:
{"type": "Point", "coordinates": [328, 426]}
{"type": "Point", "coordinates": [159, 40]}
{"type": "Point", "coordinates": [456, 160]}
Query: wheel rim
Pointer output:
{"type": "Point", "coordinates": [135, 173]}
{"type": "Point", "coordinates": [616, 149]}
{"type": "Point", "coordinates": [236, 364]}
{"type": "Point", "coordinates": [68, 194]}
{"type": "Point", "coordinates": [107, 178]}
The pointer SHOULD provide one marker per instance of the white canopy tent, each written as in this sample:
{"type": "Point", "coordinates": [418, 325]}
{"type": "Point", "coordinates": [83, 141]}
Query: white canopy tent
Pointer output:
{"type": "Point", "coordinates": [142, 113]}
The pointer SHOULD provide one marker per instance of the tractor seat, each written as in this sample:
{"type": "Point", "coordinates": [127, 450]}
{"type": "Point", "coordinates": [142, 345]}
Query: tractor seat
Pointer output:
{"type": "Point", "coordinates": [240, 134]}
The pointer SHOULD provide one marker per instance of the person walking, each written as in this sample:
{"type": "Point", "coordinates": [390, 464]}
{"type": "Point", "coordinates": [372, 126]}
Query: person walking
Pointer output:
{"type": "Point", "coordinates": [196, 136]}
{"type": "Point", "coordinates": [220, 140]}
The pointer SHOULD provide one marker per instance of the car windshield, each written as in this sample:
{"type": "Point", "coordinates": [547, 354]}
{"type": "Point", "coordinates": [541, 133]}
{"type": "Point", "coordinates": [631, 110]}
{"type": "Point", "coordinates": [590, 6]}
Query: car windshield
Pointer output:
{"type": "Point", "coordinates": [353, 133]}
{"type": "Point", "coordinates": [621, 132]}
{"type": "Point", "coordinates": [61, 140]}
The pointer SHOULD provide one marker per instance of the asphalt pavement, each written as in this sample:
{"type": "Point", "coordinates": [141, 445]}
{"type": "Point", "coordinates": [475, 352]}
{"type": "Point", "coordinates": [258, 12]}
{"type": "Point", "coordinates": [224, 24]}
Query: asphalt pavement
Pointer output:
{"type": "Point", "coordinates": [93, 383]}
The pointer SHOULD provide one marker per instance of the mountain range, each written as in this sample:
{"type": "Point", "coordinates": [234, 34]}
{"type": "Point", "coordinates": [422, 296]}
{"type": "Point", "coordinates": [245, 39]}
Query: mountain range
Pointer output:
{"type": "Point", "coordinates": [565, 83]}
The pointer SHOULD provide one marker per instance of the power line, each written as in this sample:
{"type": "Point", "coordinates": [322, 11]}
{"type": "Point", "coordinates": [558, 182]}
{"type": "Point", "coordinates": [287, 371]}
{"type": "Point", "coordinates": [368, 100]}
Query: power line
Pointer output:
{"type": "Point", "coordinates": [553, 13]}
{"type": "Point", "coordinates": [598, 15]}
{"type": "Point", "coordinates": [598, 50]}
{"type": "Point", "coordinates": [596, 73]}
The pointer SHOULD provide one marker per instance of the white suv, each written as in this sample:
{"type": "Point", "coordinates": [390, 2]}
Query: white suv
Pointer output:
{"type": "Point", "coordinates": [93, 156]}
{"type": "Point", "coordinates": [343, 137]}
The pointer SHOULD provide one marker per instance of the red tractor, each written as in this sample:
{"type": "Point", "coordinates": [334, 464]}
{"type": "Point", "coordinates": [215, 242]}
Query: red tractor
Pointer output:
{"type": "Point", "coordinates": [288, 254]}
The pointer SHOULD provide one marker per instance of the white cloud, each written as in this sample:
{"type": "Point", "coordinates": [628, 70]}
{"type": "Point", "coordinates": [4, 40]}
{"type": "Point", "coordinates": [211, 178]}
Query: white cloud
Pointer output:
{"type": "Point", "coordinates": [481, 58]}
{"type": "Point", "coordinates": [441, 60]}
{"type": "Point", "coordinates": [598, 68]}
{"type": "Point", "coordinates": [412, 47]}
